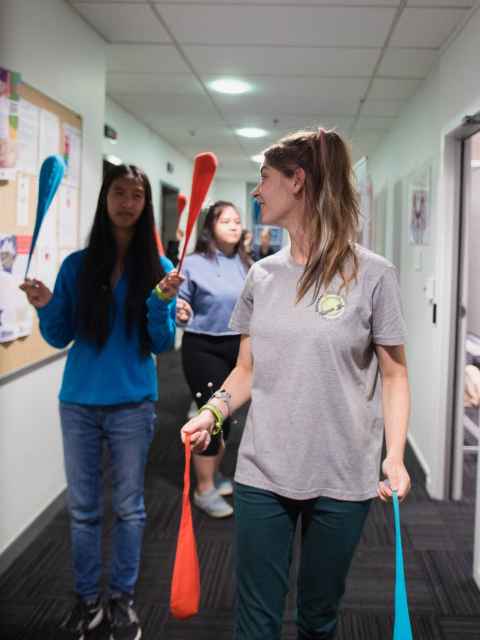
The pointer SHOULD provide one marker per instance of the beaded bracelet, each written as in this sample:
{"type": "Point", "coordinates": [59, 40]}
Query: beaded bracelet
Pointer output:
{"type": "Point", "coordinates": [217, 414]}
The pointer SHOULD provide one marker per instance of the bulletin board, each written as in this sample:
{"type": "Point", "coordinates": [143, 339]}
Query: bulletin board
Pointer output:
{"type": "Point", "coordinates": [44, 127]}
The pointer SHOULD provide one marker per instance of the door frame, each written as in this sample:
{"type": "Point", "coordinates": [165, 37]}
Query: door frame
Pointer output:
{"type": "Point", "coordinates": [450, 238]}
{"type": "Point", "coordinates": [447, 240]}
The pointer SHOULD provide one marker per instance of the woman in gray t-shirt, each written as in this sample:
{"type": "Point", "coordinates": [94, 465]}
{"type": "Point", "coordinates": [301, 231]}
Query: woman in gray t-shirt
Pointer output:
{"type": "Point", "coordinates": [321, 352]}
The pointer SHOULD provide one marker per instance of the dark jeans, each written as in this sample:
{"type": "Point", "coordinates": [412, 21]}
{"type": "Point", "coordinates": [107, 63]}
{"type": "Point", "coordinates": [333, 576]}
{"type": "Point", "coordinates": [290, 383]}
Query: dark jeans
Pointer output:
{"type": "Point", "coordinates": [265, 525]}
{"type": "Point", "coordinates": [208, 359]}
{"type": "Point", "coordinates": [128, 431]}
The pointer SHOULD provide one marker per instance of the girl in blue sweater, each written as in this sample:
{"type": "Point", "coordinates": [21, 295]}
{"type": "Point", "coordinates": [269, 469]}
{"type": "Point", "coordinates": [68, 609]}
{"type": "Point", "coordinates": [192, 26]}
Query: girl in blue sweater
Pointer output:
{"type": "Point", "coordinates": [115, 301]}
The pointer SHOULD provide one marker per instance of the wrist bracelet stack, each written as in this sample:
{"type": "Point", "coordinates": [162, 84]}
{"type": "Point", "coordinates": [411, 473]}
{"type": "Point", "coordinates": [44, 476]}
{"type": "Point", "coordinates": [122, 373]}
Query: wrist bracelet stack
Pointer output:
{"type": "Point", "coordinates": [225, 396]}
{"type": "Point", "coordinates": [161, 294]}
{"type": "Point", "coordinates": [217, 414]}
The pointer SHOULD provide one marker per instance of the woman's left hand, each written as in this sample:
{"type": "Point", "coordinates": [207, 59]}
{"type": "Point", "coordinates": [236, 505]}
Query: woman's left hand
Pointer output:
{"type": "Point", "coordinates": [184, 311]}
{"type": "Point", "coordinates": [170, 284]}
{"type": "Point", "coordinates": [397, 479]}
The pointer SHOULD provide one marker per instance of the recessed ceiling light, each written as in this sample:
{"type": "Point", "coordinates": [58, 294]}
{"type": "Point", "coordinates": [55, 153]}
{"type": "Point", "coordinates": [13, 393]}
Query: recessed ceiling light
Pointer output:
{"type": "Point", "coordinates": [258, 158]}
{"type": "Point", "coordinates": [251, 132]}
{"type": "Point", "coordinates": [230, 85]}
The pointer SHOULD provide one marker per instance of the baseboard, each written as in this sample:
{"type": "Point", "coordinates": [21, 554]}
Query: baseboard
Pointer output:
{"type": "Point", "coordinates": [18, 546]}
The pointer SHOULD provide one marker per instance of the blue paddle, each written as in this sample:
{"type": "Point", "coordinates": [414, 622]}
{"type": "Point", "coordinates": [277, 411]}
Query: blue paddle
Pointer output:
{"type": "Point", "coordinates": [402, 629]}
{"type": "Point", "coordinates": [51, 174]}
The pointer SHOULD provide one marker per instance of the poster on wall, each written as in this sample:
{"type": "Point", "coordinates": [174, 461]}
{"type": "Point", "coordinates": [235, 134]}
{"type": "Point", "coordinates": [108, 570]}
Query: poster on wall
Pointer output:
{"type": "Point", "coordinates": [267, 239]}
{"type": "Point", "coordinates": [365, 191]}
{"type": "Point", "coordinates": [16, 315]}
{"type": "Point", "coordinates": [419, 204]}
{"type": "Point", "coordinates": [9, 103]}
{"type": "Point", "coordinates": [71, 154]}
{"type": "Point", "coordinates": [49, 143]}
{"type": "Point", "coordinates": [28, 137]}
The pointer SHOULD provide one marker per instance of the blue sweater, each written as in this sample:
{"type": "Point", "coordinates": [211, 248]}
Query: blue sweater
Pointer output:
{"type": "Point", "coordinates": [117, 373]}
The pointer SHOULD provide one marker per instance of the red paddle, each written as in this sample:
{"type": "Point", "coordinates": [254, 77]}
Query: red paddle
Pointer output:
{"type": "Point", "coordinates": [181, 202]}
{"type": "Point", "coordinates": [185, 592]}
{"type": "Point", "coordinates": [204, 168]}
{"type": "Point", "coordinates": [158, 240]}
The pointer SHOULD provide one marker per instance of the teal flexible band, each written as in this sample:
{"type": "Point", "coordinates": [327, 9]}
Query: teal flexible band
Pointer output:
{"type": "Point", "coordinates": [402, 629]}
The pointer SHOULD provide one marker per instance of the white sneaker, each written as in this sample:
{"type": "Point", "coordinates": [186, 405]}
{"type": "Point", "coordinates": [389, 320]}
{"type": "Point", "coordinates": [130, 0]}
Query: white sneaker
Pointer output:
{"type": "Point", "coordinates": [212, 503]}
{"type": "Point", "coordinates": [223, 485]}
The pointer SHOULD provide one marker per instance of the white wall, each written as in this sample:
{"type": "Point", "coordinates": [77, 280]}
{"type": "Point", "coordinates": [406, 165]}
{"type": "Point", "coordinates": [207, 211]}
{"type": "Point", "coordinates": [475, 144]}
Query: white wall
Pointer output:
{"type": "Point", "coordinates": [473, 323]}
{"type": "Point", "coordinates": [55, 51]}
{"type": "Point", "coordinates": [451, 91]}
{"type": "Point", "coordinates": [233, 191]}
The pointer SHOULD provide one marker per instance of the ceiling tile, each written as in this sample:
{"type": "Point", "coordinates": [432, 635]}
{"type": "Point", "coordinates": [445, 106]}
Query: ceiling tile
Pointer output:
{"type": "Point", "coordinates": [393, 88]}
{"type": "Point", "coordinates": [315, 61]}
{"type": "Point", "coordinates": [111, 2]}
{"type": "Point", "coordinates": [367, 137]}
{"type": "Point", "coordinates": [407, 63]}
{"type": "Point", "coordinates": [463, 4]}
{"type": "Point", "coordinates": [288, 123]}
{"type": "Point", "coordinates": [189, 122]}
{"type": "Point", "coordinates": [387, 108]}
{"type": "Point", "coordinates": [179, 109]}
{"type": "Point", "coordinates": [146, 58]}
{"type": "Point", "coordinates": [426, 27]}
{"type": "Point", "coordinates": [294, 25]}
{"type": "Point", "coordinates": [154, 83]}
{"type": "Point", "coordinates": [229, 157]}
{"type": "Point", "coordinates": [306, 106]}
{"type": "Point", "coordinates": [317, 3]}
{"type": "Point", "coordinates": [309, 62]}
{"type": "Point", "coordinates": [202, 135]}
{"type": "Point", "coordinates": [374, 123]}
{"type": "Point", "coordinates": [294, 86]}
{"type": "Point", "coordinates": [123, 22]}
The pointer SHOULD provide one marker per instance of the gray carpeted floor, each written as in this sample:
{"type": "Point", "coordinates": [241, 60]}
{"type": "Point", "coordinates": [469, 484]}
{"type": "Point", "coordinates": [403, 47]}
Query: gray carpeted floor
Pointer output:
{"type": "Point", "coordinates": [438, 537]}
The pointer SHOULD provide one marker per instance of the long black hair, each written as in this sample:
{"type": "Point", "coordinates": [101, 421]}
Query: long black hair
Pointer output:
{"type": "Point", "coordinates": [206, 240]}
{"type": "Point", "coordinates": [142, 266]}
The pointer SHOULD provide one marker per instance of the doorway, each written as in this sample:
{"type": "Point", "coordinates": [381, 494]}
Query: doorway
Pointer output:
{"type": "Point", "coordinates": [169, 221]}
{"type": "Point", "coordinates": [465, 480]}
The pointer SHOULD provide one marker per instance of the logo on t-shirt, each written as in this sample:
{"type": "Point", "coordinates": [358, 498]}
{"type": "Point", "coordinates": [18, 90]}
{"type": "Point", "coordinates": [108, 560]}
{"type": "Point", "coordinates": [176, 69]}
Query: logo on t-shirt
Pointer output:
{"type": "Point", "coordinates": [331, 306]}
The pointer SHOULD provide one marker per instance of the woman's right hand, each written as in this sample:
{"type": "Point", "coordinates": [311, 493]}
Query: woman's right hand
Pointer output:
{"type": "Point", "coordinates": [170, 283]}
{"type": "Point", "coordinates": [37, 293]}
{"type": "Point", "coordinates": [199, 429]}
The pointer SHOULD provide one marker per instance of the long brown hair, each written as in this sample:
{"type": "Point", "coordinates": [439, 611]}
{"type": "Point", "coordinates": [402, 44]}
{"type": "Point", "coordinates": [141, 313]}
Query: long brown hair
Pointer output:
{"type": "Point", "coordinates": [142, 266]}
{"type": "Point", "coordinates": [206, 240]}
{"type": "Point", "coordinates": [332, 208]}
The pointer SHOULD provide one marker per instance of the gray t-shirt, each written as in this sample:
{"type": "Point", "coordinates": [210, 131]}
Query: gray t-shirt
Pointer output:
{"type": "Point", "coordinates": [314, 427]}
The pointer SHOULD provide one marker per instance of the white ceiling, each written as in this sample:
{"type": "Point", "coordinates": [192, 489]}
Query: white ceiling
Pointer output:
{"type": "Point", "coordinates": [352, 64]}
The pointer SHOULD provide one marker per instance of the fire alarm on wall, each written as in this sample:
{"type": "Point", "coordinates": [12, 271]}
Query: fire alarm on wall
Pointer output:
{"type": "Point", "coordinates": [110, 133]}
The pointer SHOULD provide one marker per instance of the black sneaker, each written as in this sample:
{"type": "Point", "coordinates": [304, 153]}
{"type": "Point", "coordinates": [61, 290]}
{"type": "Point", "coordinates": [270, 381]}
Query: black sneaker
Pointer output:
{"type": "Point", "coordinates": [84, 617]}
{"type": "Point", "coordinates": [124, 623]}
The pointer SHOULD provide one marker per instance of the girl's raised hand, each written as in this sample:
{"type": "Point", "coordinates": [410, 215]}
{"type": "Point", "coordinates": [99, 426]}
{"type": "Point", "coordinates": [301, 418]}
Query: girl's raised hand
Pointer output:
{"type": "Point", "coordinates": [170, 284]}
{"type": "Point", "coordinates": [37, 293]}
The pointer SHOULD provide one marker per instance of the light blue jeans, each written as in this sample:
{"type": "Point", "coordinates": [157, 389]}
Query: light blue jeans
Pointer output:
{"type": "Point", "coordinates": [128, 431]}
